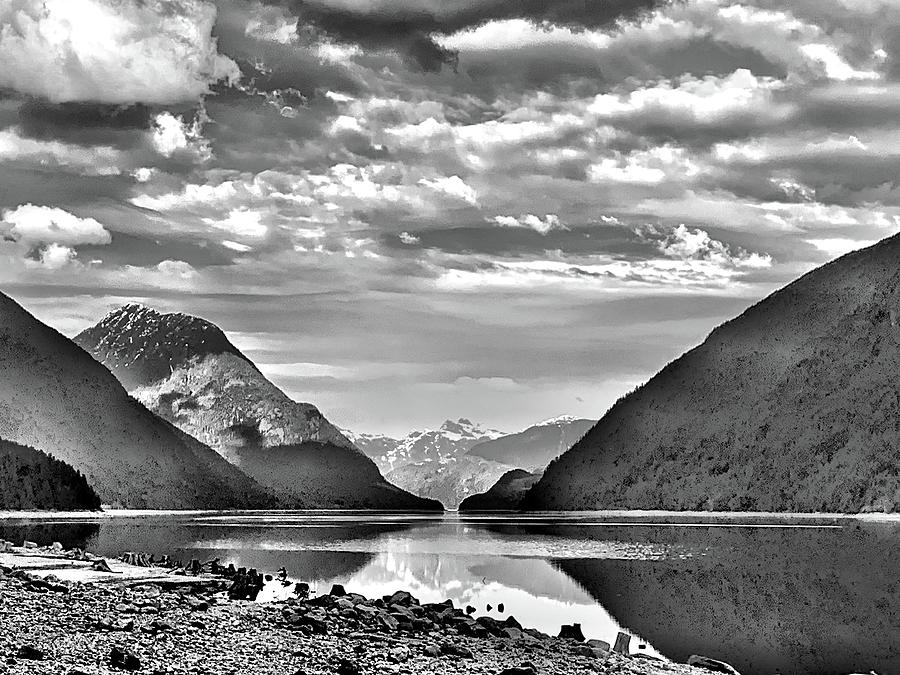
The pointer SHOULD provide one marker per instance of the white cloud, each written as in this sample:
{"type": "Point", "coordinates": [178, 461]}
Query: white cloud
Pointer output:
{"type": "Point", "coordinates": [685, 243]}
{"type": "Point", "coordinates": [241, 222]}
{"type": "Point", "coordinates": [543, 225]}
{"type": "Point", "coordinates": [36, 225]}
{"type": "Point", "coordinates": [171, 134]}
{"type": "Point", "coordinates": [408, 238]}
{"type": "Point", "coordinates": [56, 256]}
{"type": "Point", "coordinates": [834, 247]}
{"type": "Point", "coordinates": [453, 186]}
{"type": "Point", "coordinates": [111, 51]}
{"type": "Point", "coordinates": [94, 160]}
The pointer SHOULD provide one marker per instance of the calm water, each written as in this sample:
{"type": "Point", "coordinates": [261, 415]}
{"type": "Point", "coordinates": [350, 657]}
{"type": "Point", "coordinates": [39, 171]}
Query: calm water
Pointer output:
{"type": "Point", "coordinates": [765, 594]}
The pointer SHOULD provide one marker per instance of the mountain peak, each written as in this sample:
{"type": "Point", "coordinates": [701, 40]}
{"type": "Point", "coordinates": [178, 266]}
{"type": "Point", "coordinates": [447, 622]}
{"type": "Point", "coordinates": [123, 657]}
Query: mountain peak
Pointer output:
{"type": "Point", "coordinates": [560, 419]}
{"type": "Point", "coordinates": [142, 345]}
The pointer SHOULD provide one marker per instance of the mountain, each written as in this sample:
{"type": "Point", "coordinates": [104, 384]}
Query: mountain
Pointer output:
{"type": "Point", "coordinates": [792, 406]}
{"type": "Point", "coordinates": [450, 441]}
{"type": "Point", "coordinates": [435, 463]}
{"type": "Point", "coordinates": [505, 495]}
{"type": "Point", "coordinates": [185, 370]}
{"type": "Point", "coordinates": [56, 398]}
{"type": "Point", "coordinates": [33, 480]}
{"type": "Point", "coordinates": [533, 448]}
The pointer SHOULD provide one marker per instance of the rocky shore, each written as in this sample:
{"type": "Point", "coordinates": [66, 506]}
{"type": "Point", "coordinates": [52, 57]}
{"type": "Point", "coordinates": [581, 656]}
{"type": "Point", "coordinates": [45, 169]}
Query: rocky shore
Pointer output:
{"type": "Point", "coordinates": [128, 623]}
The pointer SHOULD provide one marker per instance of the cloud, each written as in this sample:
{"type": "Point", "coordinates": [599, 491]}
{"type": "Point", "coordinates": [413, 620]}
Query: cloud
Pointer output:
{"type": "Point", "coordinates": [93, 160]}
{"type": "Point", "coordinates": [408, 239]}
{"type": "Point", "coordinates": [172, 134]}
{"type": "Point", "coordinates": [34, 225]}
{"type": "Point", "coordinates": [684, 243]}
{"type": "Point", "coordinates": [543, 225]}
{"type": "Point", "coordinates": [452, 186]}
{"type": "Point", "coordinates": [111, 51]}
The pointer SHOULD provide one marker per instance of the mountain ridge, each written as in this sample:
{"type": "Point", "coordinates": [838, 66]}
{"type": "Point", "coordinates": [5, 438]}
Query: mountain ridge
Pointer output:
{"type": "Point", "coordinates": [791, 406]}
{"type": "Point", "coordinates": [56, 398]}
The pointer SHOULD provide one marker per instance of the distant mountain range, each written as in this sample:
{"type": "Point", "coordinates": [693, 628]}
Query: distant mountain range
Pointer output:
{"type": "Point", "coordinates": [462, 458]}
{"type": "Point", "coordinates": [533, 448]}
{"type": "Point", "coordinates": [54, 397]}
{"type": "Point", "coordinates": [792, 406]}
{"type": "Point", "coordinates": [185, 370]}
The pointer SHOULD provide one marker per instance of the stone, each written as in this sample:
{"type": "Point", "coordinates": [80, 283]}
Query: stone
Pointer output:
{"type": "Point", "coordinates": [572, 632]}
{"type": "Point", "coordinates": [56, 547]}
{"type": "Point", "coordinates": [599, 644]}
{"type": "Point", "coordinates": [623, 643]}
{"type": "Point", "coordinates": [469, 609]}
{"type": "Point", "coordinates": [456, 649]}
{"type": "Point", "coordinates": [121, 658]}
{"type": "Point", "coordinates": [431, 650]}
{"type": "Point", "coordinates": [518, 670]}
{"type": "Point", "coordinates": [348, 667]}
{"type": "Point", "coordinates": [337, 591]}
{"type": "Point", "coordinates": [589, 652]}
{"type": "Point", "coordinates": [711, 664]}
{"type": "Point", "coordinates": [500, 608]}
{"type": "Point", "coordinates": [387, 622]}
{"type": "Point", "coordinates": [29, 544]}
{"type": "Point", "coordinates": [510, 622]}
{"type": "Point", "coordinates": [343, 603]}
{"type": "Point", "coordinates": [401, 598]}
{"type": "Point", "coordinates": [30, 653]}
{"type": "Point", "coordinates": [399, 654]}
{"type": "Point", "coordinates": [511, 633]}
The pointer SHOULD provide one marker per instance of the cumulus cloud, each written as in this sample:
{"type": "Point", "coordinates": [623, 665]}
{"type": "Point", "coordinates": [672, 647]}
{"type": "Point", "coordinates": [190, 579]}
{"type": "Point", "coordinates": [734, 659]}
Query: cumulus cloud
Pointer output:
{"type": "Point", "coordinates": [35, 225]}
{"type": "Point", "coordinates": [684, 243]}
{"type": "Point", "coordinates": [111, 51]}
{"type": "Point", "coordinates": [452, 186]}
{"type": "Point", "coordinates": [172, 134]}
{"type": "Point", "coordinates": [95, 160]}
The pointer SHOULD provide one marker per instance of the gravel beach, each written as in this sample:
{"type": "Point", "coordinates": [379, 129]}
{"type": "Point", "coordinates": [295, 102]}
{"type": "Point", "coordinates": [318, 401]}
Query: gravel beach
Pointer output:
{"type": "Point", "coordinates": [49, 625]}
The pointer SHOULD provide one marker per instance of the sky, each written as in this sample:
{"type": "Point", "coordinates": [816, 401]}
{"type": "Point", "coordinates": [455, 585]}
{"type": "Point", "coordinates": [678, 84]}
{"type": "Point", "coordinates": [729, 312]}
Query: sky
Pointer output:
{"type": "Point", "coordinates": [411, 210]}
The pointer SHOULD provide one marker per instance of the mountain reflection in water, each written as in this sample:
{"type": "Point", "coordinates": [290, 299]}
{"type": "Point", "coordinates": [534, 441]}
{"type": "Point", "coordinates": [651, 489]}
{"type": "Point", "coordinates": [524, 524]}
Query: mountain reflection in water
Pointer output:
{"type": "Point", "coordinates": [767, 594]}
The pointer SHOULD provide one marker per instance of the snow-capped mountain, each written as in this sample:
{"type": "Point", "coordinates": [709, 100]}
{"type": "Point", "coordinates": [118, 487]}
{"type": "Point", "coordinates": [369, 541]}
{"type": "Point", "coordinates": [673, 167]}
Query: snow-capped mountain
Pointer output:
{"type": "Point", "coordinates": [533, 448]}
{"type": "Point", "coordinates": [445, 444]}
{"type": "Point", "coordinates": [435, 463]}
{"type": "Point", "coordinates": [185, 370]}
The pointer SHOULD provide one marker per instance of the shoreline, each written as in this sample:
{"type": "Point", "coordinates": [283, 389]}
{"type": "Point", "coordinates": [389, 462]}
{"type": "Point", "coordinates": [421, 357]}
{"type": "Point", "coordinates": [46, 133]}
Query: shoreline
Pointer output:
{"type": "Point", "coordinates": [107, 514]}
{"type": "Point", "coordinates": [84, 623]}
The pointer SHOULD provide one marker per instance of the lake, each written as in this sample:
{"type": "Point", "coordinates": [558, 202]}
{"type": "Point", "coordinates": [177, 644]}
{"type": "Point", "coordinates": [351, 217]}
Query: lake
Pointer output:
{"type": "Point", "coordinates": [768, 594]}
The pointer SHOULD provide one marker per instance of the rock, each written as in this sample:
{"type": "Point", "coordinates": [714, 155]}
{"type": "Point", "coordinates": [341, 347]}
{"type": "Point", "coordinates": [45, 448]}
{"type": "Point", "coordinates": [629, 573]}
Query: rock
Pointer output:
{"type": "Point", "coordinates": [30, 652]}
{"type": "Point", "coordinates": [123, 659]}
{"type": "Point", "coordinates": [100, 565]}
{"type": "Point", "coordinates": [519, 670]}
{"type": "Point", "coordinates": [599, 644]}
{"type": "Point", "coordinates": [337, 591]}
{"type": "Point", "coordinates": [489, 608]}
{"type": "Point", "coordinates": [589, 652]}
{"type": "Point", "coordinates": [455, 649]}
{"type": "Point", "coordinates": [387, 622]}
{"type": "Point", "coordinates": [510, 622]}
{"type": "Point", "coordinates": [623, 643]}
{"type": "Point", "coordinates": [399, 654]}
{"type": "Point", "coordinates": [109, 623]}
{"type": "Point", "coordinates": [511, 633]}
{"type": "Point", "coordinates": [711, 664]}
{"type": "Point", "coordinates": [348, 667]}
{"type": "Point", "coordinates": [572, 632]}
{"type": "Point", "coordinates": [500, 608]}
{"type": "Point", "coordinates": [29, 544]}
{"type": "Point", "coordinates": [431, 650]}
{"type": "Point", "coordinates": [343, 603]}
{"type": "Point", "coordinates": [56, 547]}
{"type": "Point", "coordinates": [401, 598]}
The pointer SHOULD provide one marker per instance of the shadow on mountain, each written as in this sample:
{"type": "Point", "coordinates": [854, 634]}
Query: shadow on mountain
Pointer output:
{"type": "Point", "coordinates": [766, 601]}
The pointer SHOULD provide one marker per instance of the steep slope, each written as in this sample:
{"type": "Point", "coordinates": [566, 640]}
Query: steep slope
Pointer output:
{"type": "Point", "coordinates": [792, 406]}
{"type": "Point", "coordinates": [533, 448]}
{"type": "Point", "coordinates": [185, 370]}
{"type": "Point", "coordinates": [435, 463]}
{"type": "Point", "coordinates": [505, 495]}
{"type": "Point", "coordinates": [33, 480]}
{"type": "Point", "coordinates": [56, 398]}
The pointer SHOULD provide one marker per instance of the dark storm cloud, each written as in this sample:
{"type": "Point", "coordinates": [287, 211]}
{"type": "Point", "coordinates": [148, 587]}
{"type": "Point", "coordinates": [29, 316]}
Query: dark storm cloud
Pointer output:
{"type": "Point", "coordinates": [408, 27]}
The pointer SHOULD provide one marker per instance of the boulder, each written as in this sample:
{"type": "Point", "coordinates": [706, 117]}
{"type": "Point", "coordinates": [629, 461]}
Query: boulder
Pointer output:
{"type": "Point", "coordinates": [623, 643]}
{"type": "Point", "coordinates": [337, 590]}
{"type": "Point", "coordinates": [30, 653]}
{"type": "Point", "coordinates": [348, 667]}
{"type": "Point", "coordinates": [431, 650]}
{"type": "Point", "coordinates": [121, 658]}
{"type": "Point", "coordinates": [29, 544]}
{"type": "Point", "coordinates": [572, 632]}
{"type": "Point", "coordinates": [599, 644]}
{"type": "Point", "coordinates": [401, 598]}
{"type": "Point", "coordinates": [399, 654]}
{"type": "Point", "coordinates": [711, 664]}
{"type": "Point", "coordinates": [518, 670]}
{"type": "Point", "coordinates": [387, 622]}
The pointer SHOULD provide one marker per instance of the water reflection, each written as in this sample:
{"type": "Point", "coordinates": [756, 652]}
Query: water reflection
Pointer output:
{"type": "Point", "coordinates": [768, 595]}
